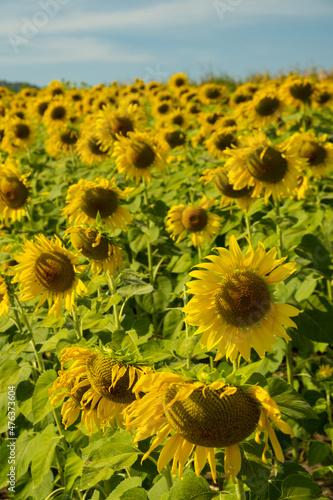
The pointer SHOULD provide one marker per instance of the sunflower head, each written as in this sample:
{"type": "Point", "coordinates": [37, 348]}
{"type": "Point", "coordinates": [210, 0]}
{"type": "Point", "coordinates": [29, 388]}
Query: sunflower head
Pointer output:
{"type": "Point", "coordinates": [313, 152]}
{"type": "Point", "coordinates": [54, 271]}
{"type": "Point", "coordinates": [99, 199]}
{"type": "Point", "coordinates": [267, 106]}
{"type": "Point", "coordinates": [208, 418]}
{"type": "Point", "coordinates": [267, 164]}
{"type": "Point", "coordinates": [13, 191]}
{"type": "Point", "coordinates": [243, 299]}
{"type": "Point", "coordinates": [90, 243]}
{"type": "Point", "coordinates": [174, 138]}
{"type": "Point", "coordinates": [111, 378]}
{"type": "Point", "coordinates": [223, 185]}
{"type": "Point", "coordinates": [141, 155]}
{"type": "Point", "coordinates": [194, 218]}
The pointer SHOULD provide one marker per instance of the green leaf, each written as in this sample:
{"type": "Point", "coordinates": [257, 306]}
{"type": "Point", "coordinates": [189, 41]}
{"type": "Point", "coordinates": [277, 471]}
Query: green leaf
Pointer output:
{"type": "Point", "coordinates": [73, 468]}
{"type": "Point", "coordinates": [285, 470]}
{"type": "Point", "coordinates": [91, 476]}
{"type": "Point", "coordinates": [183, 264]}
{"type": "Point", "coordinates": [52, 342]}
{"type": "Point", "coordinates": [44, 450]}
{"type": "Point", "coordinates": [315, 322]}
{"type": "Point", "coordinates": [142, 326]}
{"type": "Point", "coordinates": [159, 299]}
{"type": "Point", "coordinates": [25, 450]}
{"type": "Point", "coordinates": [131, 290]}
{"type": "Point", "coordinates": [328, 428]}
{"type": "Point", "coordinates": [172, 324]}
{"type": "Point", "coordinates": [318, 451]}
{"type": "Point", "coordinates": [190, 488]}
{"type": "Point", "coordinates": [124, 486]}
{"type": "Point", "coordinates": [159, 489]}
{"type": "Point", "coordinates": [312, 250]}
{"type": "Point", "coordinates": [290, 402]}
{"type": "Point", "coordinates": [254, 472]}
{"type": "Point", "coordinates": [299, 488]}
{"type": "Point", "coordinates": [306, 288]}
{"type": "Point", "coordinates": [41, 405]}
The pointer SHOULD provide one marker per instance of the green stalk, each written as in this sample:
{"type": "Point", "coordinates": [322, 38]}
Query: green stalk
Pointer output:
{"type": "Point", "coordinates": [329, 405]}
{"type": "Point", "coordinates": [77, 326]}
{"type": "Point", "coordinates": [279, 232]}
{"type": "Point", "coordinates": [39, 359]}
{"type": "Point", "coordinates": [168, 477]}
{"type": "Point", "coordinates": [248, 225]}
{"type": "Point", "coordinates": [149, 249]}
{"type": "Point", "coordinates": [113, 291]}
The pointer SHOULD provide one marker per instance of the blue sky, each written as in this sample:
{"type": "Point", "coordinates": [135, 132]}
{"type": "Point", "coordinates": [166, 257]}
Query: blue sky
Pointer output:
{"type": "Point", "coordinates": [102, 41]}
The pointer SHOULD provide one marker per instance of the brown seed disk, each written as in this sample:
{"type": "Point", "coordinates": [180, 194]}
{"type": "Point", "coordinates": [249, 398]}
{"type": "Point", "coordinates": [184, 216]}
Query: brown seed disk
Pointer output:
{"type": "Point", "coordinates": [205, 419]}
{"type": "Point", "coordinates": [54, 271]}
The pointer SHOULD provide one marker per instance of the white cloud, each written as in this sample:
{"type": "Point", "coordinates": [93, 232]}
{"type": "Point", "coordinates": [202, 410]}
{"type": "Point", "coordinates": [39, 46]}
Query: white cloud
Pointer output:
{"type": "Point", "coordinates": [70, 49]}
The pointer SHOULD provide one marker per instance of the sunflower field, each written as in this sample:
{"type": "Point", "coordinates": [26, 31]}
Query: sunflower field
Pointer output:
{"type": "Point", "coordinates": [166, 290]}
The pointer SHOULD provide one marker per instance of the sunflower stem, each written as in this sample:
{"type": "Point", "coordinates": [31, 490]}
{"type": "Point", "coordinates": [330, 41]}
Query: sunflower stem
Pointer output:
{"type": "Point", "coordinates": [329, 405]}
{"type": "Point", "coordinates": [199, 254]}
{"type": "Point", "coordinates": [113, 290]}
{"type": "Point", "coordinates": [39, 359]}
{"type": "Point", "coordinates": [187, 333]}
{"type": "Point", "coordinates": [30, 217]}
{"type": "Point", "coordinates": [289, 363]}
{"type": "Point", "coordinates": [149, 249]}
{"type": "Point", "coordinates": [278, 231]}
{"type": "Point", "coordinates": [240, 493]}
{"type": "Point", "coordinates": [167, 474]}
{"type": "Point", "coordinates": [77, 326]}
{"type": "Point", "coordinates": [248, 225]}
{"type": "Point", "coordinates": [57, 421]}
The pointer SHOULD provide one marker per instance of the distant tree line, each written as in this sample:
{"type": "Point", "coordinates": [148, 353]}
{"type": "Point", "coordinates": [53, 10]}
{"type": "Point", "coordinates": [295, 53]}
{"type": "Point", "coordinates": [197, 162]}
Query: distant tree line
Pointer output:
{"type": "Point", "coordinates": [16, 86]}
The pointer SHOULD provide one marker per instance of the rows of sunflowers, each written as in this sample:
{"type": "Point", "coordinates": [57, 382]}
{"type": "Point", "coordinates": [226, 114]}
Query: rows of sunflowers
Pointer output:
{"type": "Point", "coordinates": [166, 290]}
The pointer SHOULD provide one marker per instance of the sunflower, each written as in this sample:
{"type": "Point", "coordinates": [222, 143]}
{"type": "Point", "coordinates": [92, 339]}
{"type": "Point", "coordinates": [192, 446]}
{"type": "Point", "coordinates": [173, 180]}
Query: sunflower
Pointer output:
{"type": "Point", "coordinates": [317, 151]}
{"type": "Point", "coordinates": [88, 198]}
{"type": "Point", "coordinates": [323, 94]}
{"type": "Point", "coordinates": [4, 298]}
{"type": "Point", "coordinates": [57, 112]}
{"type": "Point", "coordinates": [103, 254]}
{"type": "Point", "coordinates": [46, 268]}
{"type": "Point", "coordinates": [178, 80]}
{"type": "Point", "coordinates": [265, 108]}
{"type": "Point", "coordinates": [211, 93]}
{"type": "Point", "coordinates": [296, 90]}
{"type": "Point", "coordinates": [325, 372]}
{"type": "Point", "coordinates": [232, 303]}
{"type": "Point", "coordinates": [19, 134]}
{"type": "Point", "coordinates": [171, 139]}
{"type": "Point", "coordinates": [89, 148]}
{"type": "Point", "coordinates": [63, 139]}
{"type": "Point", "coordinates": [98, 384]}
{"type": "Point", "coordinates": [201, 417]}
{"type": "Point", "coordinates": [14, 192]}
{"type": "Point", "coordinates": [220, 140]}
{"type": "Point", "coordinates": [195, 220]}
{"type": "Point", "coordinates": [229, 193]}
{"type": "Point", "coordinates": [136, 154]}
{"type": "Point", "coordinates": [112, 122]}
{"type": "Point", "coordinates": [268, 168]}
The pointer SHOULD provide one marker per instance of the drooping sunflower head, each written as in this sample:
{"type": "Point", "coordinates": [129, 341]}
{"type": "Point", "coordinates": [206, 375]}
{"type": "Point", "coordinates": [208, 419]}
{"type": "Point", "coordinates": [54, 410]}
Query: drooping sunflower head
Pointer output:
{"type": "Point", "coordinates": [196, 220]}
{"type": "Point", "coordinates": [86, 199]}
{"type": "Point", "coordinates": [229, 194]}
{"type": "Point", "coordinates": [220, 140]}
{"type": "Point", "coordinates": [99, 382]}
{"type": "Point", "coordinates": [99, 249]}
{"type": "Point", "coordinates": [62, 140]}
{"type": "Point", "coordinates": [201, 417]}
{"type": "Point", "coordinates": [14, 191]}
{"type": "Point", "coordinates": [46, 268]}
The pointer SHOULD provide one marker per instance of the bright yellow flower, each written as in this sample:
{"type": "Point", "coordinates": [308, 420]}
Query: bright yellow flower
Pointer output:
{"type": "Point", "coordinates": [202, 418]}
{"type": "Point", "coordinates": [14, 192]}
{"type": "Point", "coordinates": [232, 304]}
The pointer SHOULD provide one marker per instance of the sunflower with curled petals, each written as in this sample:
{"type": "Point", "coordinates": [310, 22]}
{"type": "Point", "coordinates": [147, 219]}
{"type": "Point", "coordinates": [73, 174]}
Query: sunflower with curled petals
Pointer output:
{"type": "Point", "coordinates": [46, 268]}
{"type": "Point", "coordinates": [193, 220]}
{"type": "Point", "coordinates": [270, 169]}
{"type": "Point", "coordinates": [104, 256]}
{"type": "Point", "coordinates": [4, 298]}
{"type": "Point", "coordinates": [99, 386]}
{"type": "Point", "coordinates": [88, 198]}
{"type": "Point", "coordinates": [220, 140]}
{"type": "Point", "coordinates": [229, 195]}
{"type": "Point", "coordinates": [14, 191]}
{"type": "Point", "coordinates": [232, 304]}
{"type": "Point", "coordinates": [136, 154]}
{"type": "Point", "coordinates": [201, 417]}
{"type": "Point", "coordinates": [317, 151]}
